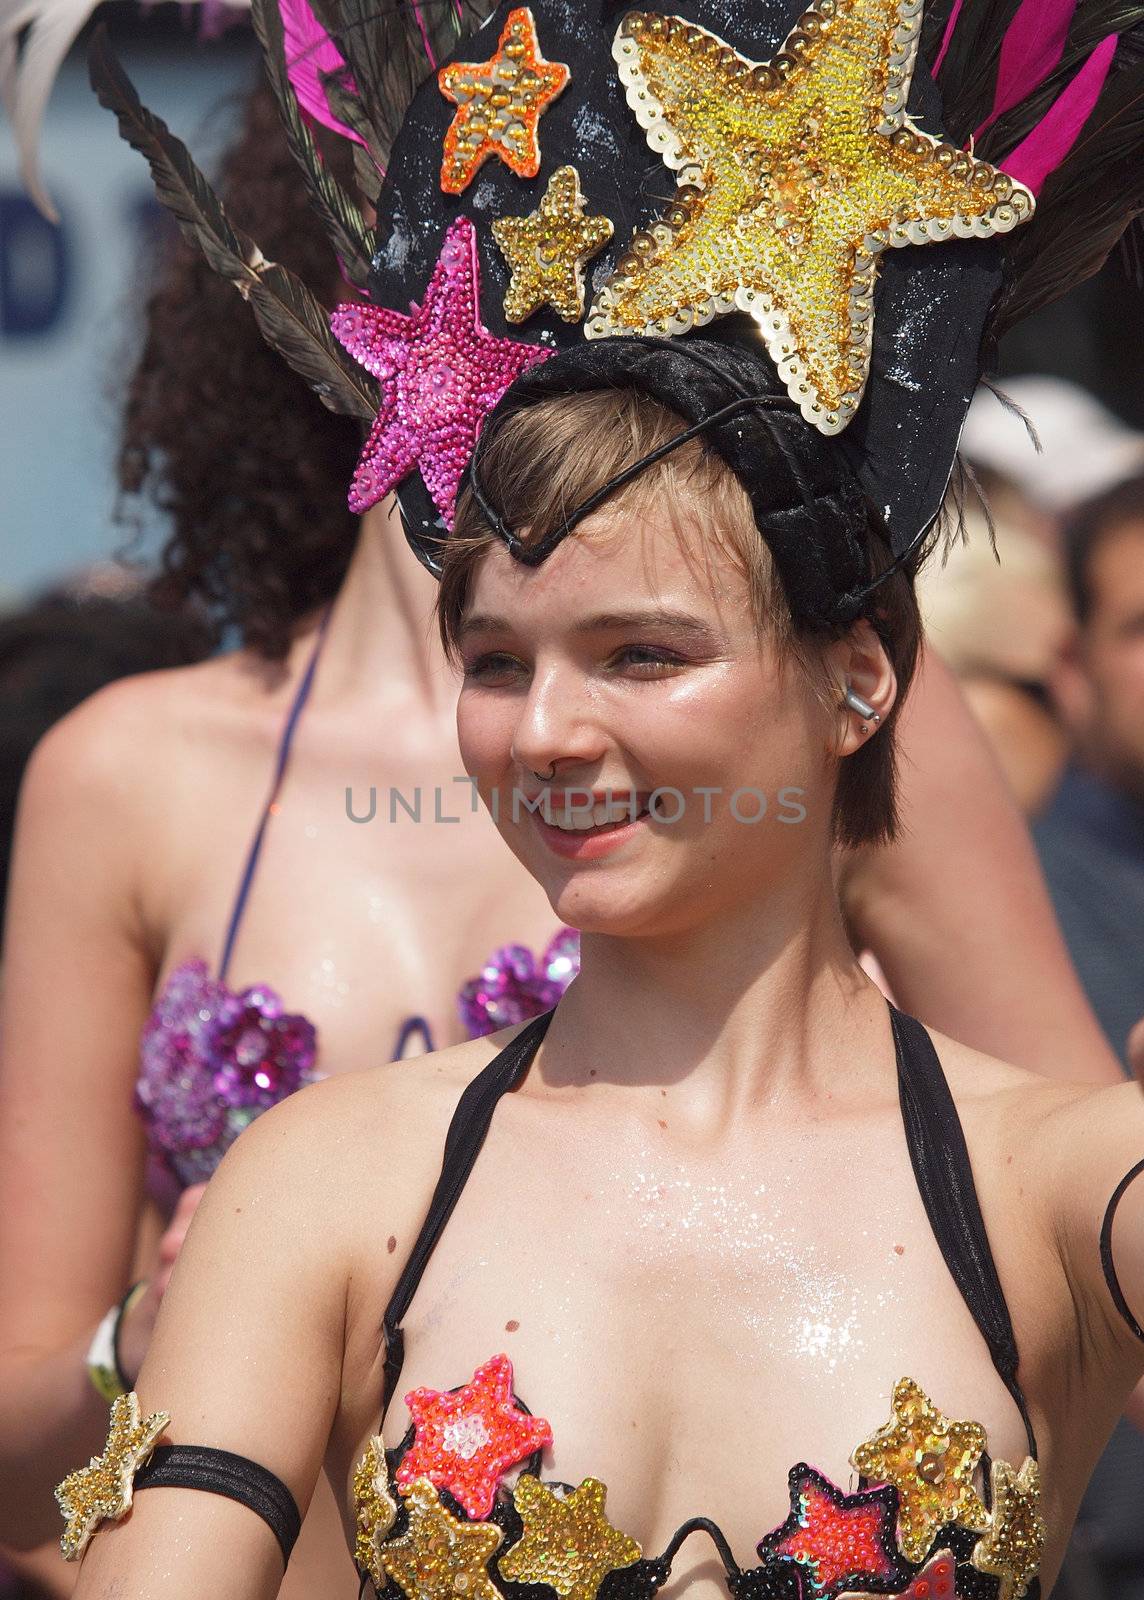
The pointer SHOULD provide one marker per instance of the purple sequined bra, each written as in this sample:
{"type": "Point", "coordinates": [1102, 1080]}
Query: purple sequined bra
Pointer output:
{"type": "Point", "coordinates": [213, 1058]}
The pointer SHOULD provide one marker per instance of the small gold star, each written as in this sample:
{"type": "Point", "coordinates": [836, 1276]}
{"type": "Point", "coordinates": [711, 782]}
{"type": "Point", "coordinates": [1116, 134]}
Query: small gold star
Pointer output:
{"type": "Point", "coordinates": [440, 1557]}
{"type": "Point", "coordinates": [795, 175]}
{"type": "Point", "coordinates": [500, 103]}
{"type": "Point", "coordinates": [376, 1510]}
{"type": "Point", "coordinates": [931, 1462]}
{"type": "Point", "coordinates": [1011, 1550]}
{"type": "Point", "coordinates": [102, 1490]}
{"type": "Point", "coordinates": [568, 1543]}
{"type": "Point", "coordinates": [548, 249]}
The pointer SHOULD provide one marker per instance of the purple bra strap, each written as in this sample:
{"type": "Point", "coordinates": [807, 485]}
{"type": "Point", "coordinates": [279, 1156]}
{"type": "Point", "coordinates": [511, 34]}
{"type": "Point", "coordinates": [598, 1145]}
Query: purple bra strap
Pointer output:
{"type": "Point", "coordinates": [302, 694]}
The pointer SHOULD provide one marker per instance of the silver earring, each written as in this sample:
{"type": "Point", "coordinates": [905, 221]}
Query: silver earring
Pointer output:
{"type": "Point", "coordinates": [544, 777]}
{"type": "Point", "coordinates": [854, 701]}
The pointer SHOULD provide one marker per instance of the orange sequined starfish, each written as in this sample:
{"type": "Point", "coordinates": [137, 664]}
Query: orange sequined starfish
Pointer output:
{"type": "Point", "coordinates": [466, 1441]}
{"type": "Point", "coordinates": [500, 103]}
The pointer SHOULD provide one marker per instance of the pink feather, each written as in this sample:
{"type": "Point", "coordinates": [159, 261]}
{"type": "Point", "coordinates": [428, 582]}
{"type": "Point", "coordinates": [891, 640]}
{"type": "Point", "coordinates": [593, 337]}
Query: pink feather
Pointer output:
{"type": "Point", "coordinates": [1041, 152]}
{"type": "Point", "coordinates": [1033, 45]}
{"type": "Point", "coordinates": [947, 36]}
{"type": "Point", "coordinates": [310, 52]}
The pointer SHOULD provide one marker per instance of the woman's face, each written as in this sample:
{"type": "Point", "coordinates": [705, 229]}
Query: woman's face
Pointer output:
{"type": "Point", "coordinates": [630, 662]}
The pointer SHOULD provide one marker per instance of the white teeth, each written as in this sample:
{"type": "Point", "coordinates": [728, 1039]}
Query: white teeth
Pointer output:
{"type": "Point", "coordinates": [578, 819]}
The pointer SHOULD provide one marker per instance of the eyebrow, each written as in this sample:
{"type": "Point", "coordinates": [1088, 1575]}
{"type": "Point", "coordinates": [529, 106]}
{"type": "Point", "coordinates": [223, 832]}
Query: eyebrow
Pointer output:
{"type": "Point", "coordinates": [601, 622]}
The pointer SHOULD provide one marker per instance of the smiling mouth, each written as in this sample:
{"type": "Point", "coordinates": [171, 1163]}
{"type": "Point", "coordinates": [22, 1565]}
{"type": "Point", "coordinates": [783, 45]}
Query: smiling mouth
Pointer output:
{"type": "Point", "coordinates": [604, 817]}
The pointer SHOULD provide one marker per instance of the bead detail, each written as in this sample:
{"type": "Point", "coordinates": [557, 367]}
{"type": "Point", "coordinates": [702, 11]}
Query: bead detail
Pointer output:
{"type": "Point", "coordinates": [547, 250]}
{"type": "Point", "coordinates": [931, 1462]}
{"type": "Point", "coordinates": [568, 1542]}
{"type": "Point", "coordinates": [440, 1557]}
{"type": "Point", "coordinates": [441, 372]}
{"type": "Point", "coordinates": [841, 1541]}
{"type": "Point", "coordinates": [465, 1441]}
{"type": "Point", "coordinates": [102, 1491]}
{"type": "Point", "coordinates": [375, 1510]}
{"type": "Point", "coordinates": [794, 176]}
{"type": "Point", "coordinates": [1014, 1543]}
{"type": "Point", "coordinates": [500, 103]}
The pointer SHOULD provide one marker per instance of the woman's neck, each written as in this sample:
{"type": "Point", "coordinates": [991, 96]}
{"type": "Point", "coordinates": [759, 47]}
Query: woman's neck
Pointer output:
{"type": "Point", "coordinates": [382, 643]}
{"type": "Point", "coordinates": [732, 1015]}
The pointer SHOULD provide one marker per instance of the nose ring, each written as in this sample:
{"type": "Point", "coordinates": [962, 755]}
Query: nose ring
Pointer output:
{"type": "Point", "coordinates": [544, 777]}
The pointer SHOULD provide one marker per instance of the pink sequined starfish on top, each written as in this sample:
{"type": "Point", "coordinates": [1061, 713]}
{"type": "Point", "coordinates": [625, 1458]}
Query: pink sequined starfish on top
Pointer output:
{"type": "Point", "coordinates": [441, 373]}
{"type": "Point", "coordinates": [466, 1441]}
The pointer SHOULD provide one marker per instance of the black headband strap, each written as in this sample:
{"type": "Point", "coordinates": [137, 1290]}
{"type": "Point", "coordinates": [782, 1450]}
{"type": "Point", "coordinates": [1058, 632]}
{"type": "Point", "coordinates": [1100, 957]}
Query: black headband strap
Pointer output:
{"type": "Point", "coordinates": [533, 554]}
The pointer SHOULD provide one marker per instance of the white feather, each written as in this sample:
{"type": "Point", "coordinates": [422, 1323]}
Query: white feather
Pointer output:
{"type": "Point", "coordinates": [28, 71]}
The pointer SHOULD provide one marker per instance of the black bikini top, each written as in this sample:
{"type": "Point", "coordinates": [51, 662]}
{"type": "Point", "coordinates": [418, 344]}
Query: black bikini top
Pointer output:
{"type": "Point", "coordinates": [436, 1519]}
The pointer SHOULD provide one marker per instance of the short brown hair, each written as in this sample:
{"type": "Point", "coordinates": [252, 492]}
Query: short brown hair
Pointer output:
{"type": "Point", "coordinates": [536, 466]}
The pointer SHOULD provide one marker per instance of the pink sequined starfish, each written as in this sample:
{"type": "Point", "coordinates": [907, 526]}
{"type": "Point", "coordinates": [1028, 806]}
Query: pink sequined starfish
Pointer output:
{"type": "Point", "coordinates": [841, 1541]}
{"type": "Point", "coordinates": [466, 1441]}
{"type": "Point", "coordinates": [441, 373]}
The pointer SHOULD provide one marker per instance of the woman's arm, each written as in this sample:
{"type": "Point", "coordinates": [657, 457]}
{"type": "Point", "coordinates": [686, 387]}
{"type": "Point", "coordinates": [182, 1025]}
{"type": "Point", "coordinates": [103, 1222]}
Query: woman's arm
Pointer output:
{"type": "Point", "coordinates": [956, 911]}
{"type": "Point", "coordinates": [76, 985]}
{"type": "Point", "coordinates": [246, 1357]}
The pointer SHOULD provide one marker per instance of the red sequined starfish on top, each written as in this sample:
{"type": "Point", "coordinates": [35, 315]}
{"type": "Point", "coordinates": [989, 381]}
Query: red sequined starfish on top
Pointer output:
{"type": "Point", "coordinates": [467, 1440]}
{"type": "Point", "coordinates": [441, 373]}
{"type": "Point", "coordinates": [841, 1541]}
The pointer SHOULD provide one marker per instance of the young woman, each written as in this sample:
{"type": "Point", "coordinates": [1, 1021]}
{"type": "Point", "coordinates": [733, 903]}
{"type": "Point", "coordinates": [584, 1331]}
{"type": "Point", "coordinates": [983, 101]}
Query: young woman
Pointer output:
{"type": "Point", "coordinates": [725, 1216]}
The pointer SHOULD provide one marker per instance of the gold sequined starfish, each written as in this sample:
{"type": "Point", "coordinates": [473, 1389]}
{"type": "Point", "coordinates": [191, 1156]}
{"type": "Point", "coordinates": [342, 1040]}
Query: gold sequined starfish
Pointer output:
{"type": "Point", "coordinates": [440, 1557]}
{"type": "Point", "coordinates": [375, 1508]}
{"type": "Point", "coordinates": [500, 104]}
{"type": "Point", "coordinates": [931, 1462]}
{"type": "Point", "coordinates": [1012, 1548]}
{"type": "Point", "coordinates": [795, 176]}
{"type": "Point", "coordinates": [102, 1490]}
{"type": "Point", "coordinates": [568, 1543]}
{"type": "Point", "coordinates": [548, 250]}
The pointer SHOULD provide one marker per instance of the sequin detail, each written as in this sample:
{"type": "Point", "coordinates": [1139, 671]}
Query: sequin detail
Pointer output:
{"type": "Point", "coordinates": [1012, 1548]}
{"type": "Point", "coordinates": [441, 372]}
{"type": "Point", "coordinates": [568, 1542]}
{"type": "Point", "coordinates": [102, 1491]}
{"type": "Point", "coordinates": [500, 103]}
{"type": "Point", "coordinates": [515, 985]}
{"type": "Point", "coordinates": [375, 1510]}
{"type": "Point", "coordinates": [548, 250]}
{"type": "Point", "coordinates": [931, 1462]}
{"type": "Point", "coordinates": [439, 1557]}
{"type": "Point", "coordinates": [841, 1541]}
{"type": "Point", "coordinates": [465, 1441]}
{"type": "Point", "coordinates": [211, 1060]}
{"type": "Point", "coordinates": [936, 1581]}
{"type": "Point", "coordinates": [794, 176]}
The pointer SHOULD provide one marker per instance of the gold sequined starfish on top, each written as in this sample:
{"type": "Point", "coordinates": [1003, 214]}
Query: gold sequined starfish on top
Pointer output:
{"type": "Point", "coordinates": [931, 1462]}
{"type": "Point", "coordinates": [548, 249]}
{"type": "Point", "coordinates": [102, 1491]}
{"type": "Point", "coordinates": [794, 176]}
{"type": "Point", "coordinates": [376, 1510]}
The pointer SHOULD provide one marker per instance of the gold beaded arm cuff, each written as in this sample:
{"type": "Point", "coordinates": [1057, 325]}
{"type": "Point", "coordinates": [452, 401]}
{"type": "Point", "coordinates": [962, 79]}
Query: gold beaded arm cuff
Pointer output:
{"type": "Point", "coordinates": [133, 1460]}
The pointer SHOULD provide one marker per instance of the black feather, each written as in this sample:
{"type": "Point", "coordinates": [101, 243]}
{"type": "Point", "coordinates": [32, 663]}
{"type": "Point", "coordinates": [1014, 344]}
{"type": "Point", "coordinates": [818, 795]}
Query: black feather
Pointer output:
{"type": "Point", "coordinates": [353, 242]}
{"type": "Point", "coordinates": [290, 319]}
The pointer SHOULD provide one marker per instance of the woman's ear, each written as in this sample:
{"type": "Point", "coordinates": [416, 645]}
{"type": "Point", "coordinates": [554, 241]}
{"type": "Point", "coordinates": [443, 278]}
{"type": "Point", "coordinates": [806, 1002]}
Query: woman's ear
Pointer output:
{"type": "Point", "coordinates": [858, 662]}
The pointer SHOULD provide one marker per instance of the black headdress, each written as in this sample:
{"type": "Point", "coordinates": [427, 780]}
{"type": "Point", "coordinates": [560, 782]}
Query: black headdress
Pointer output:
{"type": "Point", "coordinates": [769, 217]}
